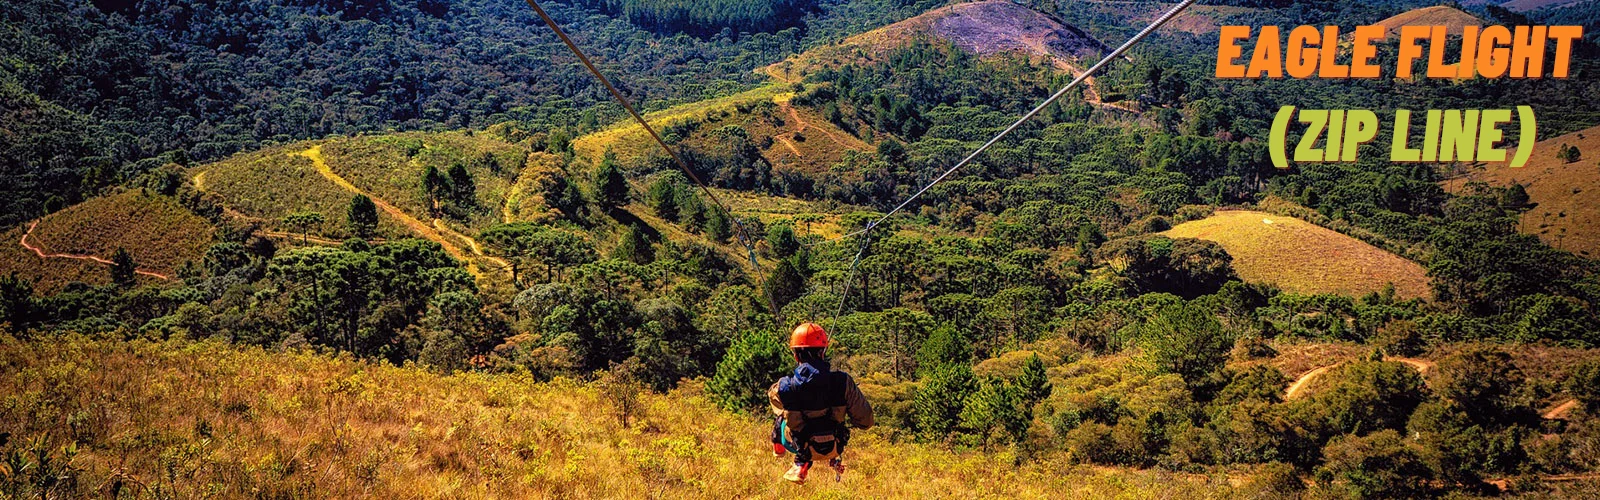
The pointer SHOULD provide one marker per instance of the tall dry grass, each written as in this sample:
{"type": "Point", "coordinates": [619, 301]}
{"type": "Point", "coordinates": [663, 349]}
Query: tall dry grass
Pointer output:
{"type": "Point", "coordinates": [206, 419]}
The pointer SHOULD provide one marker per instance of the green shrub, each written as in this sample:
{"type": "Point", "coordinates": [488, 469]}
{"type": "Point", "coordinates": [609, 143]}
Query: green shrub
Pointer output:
{"type": "Point", "coordinates": [937, 407]}
{"type": "Point", "coordinates": [1486, 383]}
{"type": "Point", "coordinates": [1401, 338]}
{"type": "Point", "coordinates": [1584, 384]}
{"type": "Point", "coordinates": [1361, 397]}
{"type": "Point", "coordinates": [753, 363]}
{"type": "Point", "coordinates": [1378, 465]}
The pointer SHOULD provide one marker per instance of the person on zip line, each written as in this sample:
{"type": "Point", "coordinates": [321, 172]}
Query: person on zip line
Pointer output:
{"type": "Point", "coordinates": [813, 405]}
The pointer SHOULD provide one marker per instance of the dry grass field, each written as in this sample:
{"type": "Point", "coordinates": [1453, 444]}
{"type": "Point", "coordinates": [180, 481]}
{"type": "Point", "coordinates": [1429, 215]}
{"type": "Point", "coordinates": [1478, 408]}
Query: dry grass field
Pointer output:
{"type": "Point", "coordinates": [391, 167]}
{"type": "Point", "coordinates": [203, 419]}
{"type": "Point", "coordinates": [1567, 215]}
{"type": "Point", "coordinates": [983, 28]}
{"type": "Point", "coordinates": [1451, 18]}
{"type": "Point", "coordinates": [1197, 19]}
{"type": "Point", "coordinates": [48, 275]}
{"type": "Point", "coordinates": [156, 230]}
{"type": "Point", "coordinates": [628, 140]}
{"type": "Point", "coordinates": [801, 139]}
{"type": "Point", "coordinates": [1301, 257]}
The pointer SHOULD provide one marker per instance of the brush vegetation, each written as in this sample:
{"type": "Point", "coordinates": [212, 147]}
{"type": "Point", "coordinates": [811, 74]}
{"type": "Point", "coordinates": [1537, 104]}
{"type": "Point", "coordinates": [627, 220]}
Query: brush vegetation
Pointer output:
{"type": "Point", "coordinates": [86, 417]}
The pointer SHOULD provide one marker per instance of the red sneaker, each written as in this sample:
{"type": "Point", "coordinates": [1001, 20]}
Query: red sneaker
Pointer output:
{"type": "Point", "coordinates": [778, 450]}
{"type": "Point", "coordinates": [797, 474]}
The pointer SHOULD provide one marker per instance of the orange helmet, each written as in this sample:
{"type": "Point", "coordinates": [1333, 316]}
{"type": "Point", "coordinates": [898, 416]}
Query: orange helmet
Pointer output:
{"type": "Point", "coordinates": [808, 335]}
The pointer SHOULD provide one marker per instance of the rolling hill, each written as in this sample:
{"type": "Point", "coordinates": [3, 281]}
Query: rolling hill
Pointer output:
{"type": "Point", "coordinates": [800, 138]}
{"type": "Point", "coordinates": [1451, 18]}
{"type": "Point", "coordinates": [322, 176]}
{"type": "Point", "coordinates": [1566, 214]}
{"type": "Point", "coordinates": [1301, 257]}
{"type": "Point", "coordinates": [1197, 19]}
{"type": "Point", "coordinates": [75, 244]}
{"type": "Point", "coordinates": [254, 421]}
{"type": "Point", "coordinates": [984, 28]}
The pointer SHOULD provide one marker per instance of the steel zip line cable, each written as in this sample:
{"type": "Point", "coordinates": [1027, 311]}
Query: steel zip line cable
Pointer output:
{"type": "Point", "coordinates": [742, 232]}
{"type": "Point", "coordinates": [1047, 102]}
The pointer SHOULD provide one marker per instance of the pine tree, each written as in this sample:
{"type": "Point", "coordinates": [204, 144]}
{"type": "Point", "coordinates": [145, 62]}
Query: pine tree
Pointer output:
{"type": "Point", "coordinates": [782, 240]}
{"type": "Point", "coordinates": [754, 361]}
{"type": "Point", "coordinates": [785, 284]}
{"type": "Point", "coordinates": [609, 184]}
{"type": "Point", "coordinates": [945, 346]}
{"type": "Point", "coordinates": [362, 217]}
{"type": "Point", "coordinates": [303, 222]}
{"type": "Point", "coordinates": [435, 187]}
{"type": "Point", "coordinates": [664, 198]}
{"type": "Point", "coordinates": [16, 302]}
{"type": "Point", "coordinates": [1569, 153]}
{"type": "Point", "coordinates": [463, 190]}
{"type": "Point", "coordinates": [691, 210]}
{"type": "Point", "coordinates": [1516, 197]}
{"type": "Point", "coordinates": [122, 268]}
{"type": "Point", "coordinates": [718, 227]}
{"type": "Point", "coordinates": [936, 408]}
{"type": "Point", "coordinates": [993, 410]}
{"type": "Point", "coordinates": [1033, 382]}
{"type": "Point", "coordinates": [634, 247]}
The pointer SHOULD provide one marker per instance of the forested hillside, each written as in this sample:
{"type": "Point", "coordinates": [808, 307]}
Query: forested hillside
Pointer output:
{"type": "Point", "coordinates": [1123, 287]}
{"type": "Point", "coordinates": [707, 17]}
{"type": "Point", "coordinates": [104, 91]}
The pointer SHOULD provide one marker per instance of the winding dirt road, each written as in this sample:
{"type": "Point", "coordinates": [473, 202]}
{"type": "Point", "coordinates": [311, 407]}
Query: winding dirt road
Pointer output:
{"type": "Point", "coordinates": [430, 231]}
{"type": "Point", "coordinates": [48, 255]}
{"type": "Point", "coordinates": [1423, 367]}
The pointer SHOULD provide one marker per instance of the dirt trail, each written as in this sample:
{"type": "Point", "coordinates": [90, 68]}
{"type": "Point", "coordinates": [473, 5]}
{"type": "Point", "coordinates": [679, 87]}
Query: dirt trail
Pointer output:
{"type": "Point", "coordinates": [46, 255]}
{"type": "Point", "coordinates": [471, 243]}
{"type": "Point", "coordinates": [789, 144]}
{"type": "Point", "coordinates": [1301, 382]}
{"type": "Point", "coordinates": [1561, 410]}
{"type": "Point", "coordinates": [803, 126]}
{"type": "Point", "coordinates": [1422, 366]}
{"type": "Point", "coordinates": [417, 226]}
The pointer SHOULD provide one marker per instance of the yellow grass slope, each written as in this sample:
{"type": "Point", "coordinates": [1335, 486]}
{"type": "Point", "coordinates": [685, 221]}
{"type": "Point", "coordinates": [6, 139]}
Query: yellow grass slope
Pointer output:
{"type": "Point", "coordinates": [1451, 18]}
{"type": "Point", "coordinates": [984, 28]}
{"type": "Point", "coordinates": [1568, 212]}
{"type": "Point", "coordinates": [207, 419]}
{"type": "Point", "coordinates": [801, 139]}
{"type": "Point", "coordinates": [266, 185]}
{"type": "Point", "coordinates": [1301, 257]}
{"type": "Point", "coordinates": [156, 230]}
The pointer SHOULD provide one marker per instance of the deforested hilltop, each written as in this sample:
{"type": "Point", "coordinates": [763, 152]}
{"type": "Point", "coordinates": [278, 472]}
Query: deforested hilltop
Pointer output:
{"type": "Point", "coordinates": [984, 28]}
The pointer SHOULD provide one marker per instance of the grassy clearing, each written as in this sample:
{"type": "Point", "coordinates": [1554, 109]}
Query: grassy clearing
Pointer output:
{"type": "Point", "coordinates": [773, 209]}
{"type": "Point", "coordinates": [628, 139]}
{"type": "Point", "coordinates": [1453, 19]}
{"type": "Point", "coordinates": [48, 275]}
{"type": "Point", "coordinates": [207, 419]}
{"type": "Point", "coordinates": [1567, 215]}
{"type": "Point", "coordinates": [275, 182]}
{"type": "Point", "coordinates": [1301, 257]}
{"type": "Point", "coordinates": [391, 167]}
{"type": "Point", "coordinates": [158, 231]}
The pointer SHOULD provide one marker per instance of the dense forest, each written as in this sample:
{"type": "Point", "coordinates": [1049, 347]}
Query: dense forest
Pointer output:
{"type": "Point", "coordinates": [1028, 304]}
{"type": "Point", "coordinates": [703, 18]}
